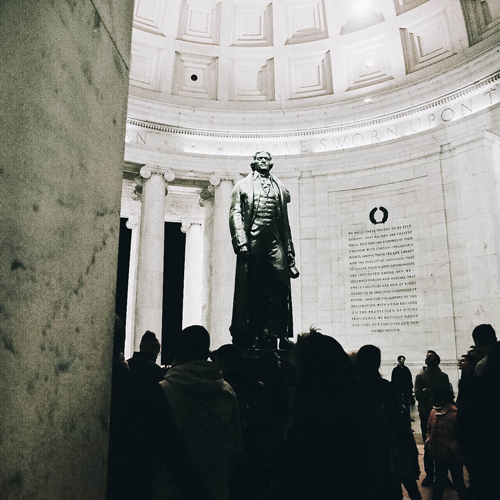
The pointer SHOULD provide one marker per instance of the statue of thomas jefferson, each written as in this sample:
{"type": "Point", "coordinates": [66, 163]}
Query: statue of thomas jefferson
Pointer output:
{"type": "Point", "coordinates": [260, 232]}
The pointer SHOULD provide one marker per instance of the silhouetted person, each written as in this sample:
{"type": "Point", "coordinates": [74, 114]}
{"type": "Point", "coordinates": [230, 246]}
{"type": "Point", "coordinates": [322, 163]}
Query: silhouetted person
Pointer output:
{"type": "Point", "coordinates": [205, 411]}
{"type": "Point", "coordinates": [142, 437]}
{"type": "Point", "coordinates": [143, 363]}
{"type": "Point", "coordinates": [253, 472]}
{"type": "Point", "coordinates": [399, 449]}
{"type": "Point", "coordinates": [479, 425]}
{"type": "Point", "coordinates": [426, 381]}
{"type": "Point", "coordinates": [332, 448]}
{"type": "Point", "coordinates": [484, 337]}
{"type": "Point", "coordinates": [466, 365]}
{"type": "Point", "coordinates": [402, 382]}
{"type": "Point", "coordinates": [442, 445]}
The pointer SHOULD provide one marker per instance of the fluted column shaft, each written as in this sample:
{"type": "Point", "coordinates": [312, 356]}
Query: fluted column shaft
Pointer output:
{"type": "Point", "coordinates": [134, 226]}
{"type": "Point", "coordinates": [223, 265]}
{"type": "Point", "coordinates": [193, 274]}
{"type": "Point", "coordinates": [149, 298]}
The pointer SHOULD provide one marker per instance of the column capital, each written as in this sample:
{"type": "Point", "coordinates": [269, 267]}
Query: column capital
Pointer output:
{"type": "Point", "coordinates": [148, 170]}
{"type": "Point", "coordinates": [188, 223]}
{"type": "Point", "coordinates": [145, 173]}
{"type": "Point", "coordinates": [216, 179]}
{"type": "Point", "coordinates": [132, 221]}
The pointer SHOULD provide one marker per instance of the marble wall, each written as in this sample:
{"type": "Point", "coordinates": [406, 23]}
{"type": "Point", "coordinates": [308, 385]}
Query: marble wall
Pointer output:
{"type": "Point", "coordinates": [64, 92]}
{"type": "Point", "coordinates": [437, 252]}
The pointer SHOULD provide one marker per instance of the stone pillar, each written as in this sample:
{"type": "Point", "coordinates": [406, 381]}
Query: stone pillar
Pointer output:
{"type": "Point", "coordinates": [134, 226]}
{"type": "Point", "coordinates": [207, 201]}
{"type": "Point", "coordinates": [223, 264]}
{"type": "Point", "coordinates": [149, 298]}
{"type": "Point", "coordinates": [64, 84]}
{"type": "Point", "coordinates": [193, 274]}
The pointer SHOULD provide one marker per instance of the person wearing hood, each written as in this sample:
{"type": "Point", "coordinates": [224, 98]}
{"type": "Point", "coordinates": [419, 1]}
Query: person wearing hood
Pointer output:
{"type": "Point", "coordinates": [441, 443]}
{"type": "Point", "coordinates": [206, 414]}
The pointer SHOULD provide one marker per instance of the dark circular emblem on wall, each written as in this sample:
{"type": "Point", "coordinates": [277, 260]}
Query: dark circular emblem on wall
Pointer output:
{"type": "Point", "coordinates": [385, 215]}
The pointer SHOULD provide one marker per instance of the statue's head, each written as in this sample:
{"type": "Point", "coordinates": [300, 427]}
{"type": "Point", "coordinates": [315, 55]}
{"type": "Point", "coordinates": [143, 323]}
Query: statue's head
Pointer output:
{"type": "Point", "coordinates": [262, 162]}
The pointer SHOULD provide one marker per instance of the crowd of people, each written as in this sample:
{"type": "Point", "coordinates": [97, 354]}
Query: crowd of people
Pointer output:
{"type": "Point", "coordinates": [232, 425]}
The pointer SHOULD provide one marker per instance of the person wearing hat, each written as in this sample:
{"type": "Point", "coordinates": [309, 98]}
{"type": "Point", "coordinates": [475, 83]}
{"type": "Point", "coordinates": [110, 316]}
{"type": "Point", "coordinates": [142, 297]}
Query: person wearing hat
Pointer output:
{"type": "Point", "coordinates": [143, 363]}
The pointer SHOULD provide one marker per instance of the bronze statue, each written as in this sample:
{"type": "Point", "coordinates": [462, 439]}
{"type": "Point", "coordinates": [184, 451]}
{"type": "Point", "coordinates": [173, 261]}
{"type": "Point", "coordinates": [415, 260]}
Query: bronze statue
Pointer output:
{"type": "Point", "coordinates": [260, 231]}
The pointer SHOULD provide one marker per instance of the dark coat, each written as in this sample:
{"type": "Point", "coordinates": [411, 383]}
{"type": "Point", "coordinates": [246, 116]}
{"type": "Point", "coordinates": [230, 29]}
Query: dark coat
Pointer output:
{"type": "Point", "coordinates": [332, 448]}
{"type": "Point", "coordinates": [401, 380]}
{"type": "Point", "coordinates": [245, 200]}
{"type": "Point", "coordinates": [425, 382]}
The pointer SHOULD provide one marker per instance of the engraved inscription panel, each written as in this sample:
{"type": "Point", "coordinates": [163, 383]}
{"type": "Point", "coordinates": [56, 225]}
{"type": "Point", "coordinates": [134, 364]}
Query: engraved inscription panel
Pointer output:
{"type": "Point", "coordinates": [382, 278]}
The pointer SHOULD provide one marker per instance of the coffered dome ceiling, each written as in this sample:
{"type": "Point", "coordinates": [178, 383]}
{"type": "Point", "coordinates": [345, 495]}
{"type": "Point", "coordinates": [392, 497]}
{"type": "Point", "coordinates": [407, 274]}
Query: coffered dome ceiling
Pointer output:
{"type": "Point", "coordinates": [234, 57]}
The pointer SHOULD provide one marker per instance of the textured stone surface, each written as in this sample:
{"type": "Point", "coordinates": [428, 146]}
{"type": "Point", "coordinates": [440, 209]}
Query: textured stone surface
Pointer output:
{"type": "Point", "coordinates": [63, 101]}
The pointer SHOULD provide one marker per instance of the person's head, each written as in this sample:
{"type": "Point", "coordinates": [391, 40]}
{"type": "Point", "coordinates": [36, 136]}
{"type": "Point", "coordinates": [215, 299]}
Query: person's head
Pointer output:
{"type": "Point", "coordinates": [441, 396]}
{"type": "Point", "coordinates": [228, 358]}
{"type": "Point", "coordinates": [401, 360]}
{"type": "Point", "coordinates": [492, 368]}
{"type": "Point", "coordinates": [320, 356]}
{"type": "Point", "coordinates": [193, 344]}
{"type": "Point", "coordinates": [466, 363]}
{"type": "Point", "coordinates": [150, 345]}
{"type": "Point", "coordinates": [472, 351]}
{"type": "Point", "coordinates": [368, 360]}
{"type": "Point", "coordinates": [484, 336]}
{"type": "Point", "coordinates": [262, 162]}
{"type": "Point", "coordinates": [432, 359]}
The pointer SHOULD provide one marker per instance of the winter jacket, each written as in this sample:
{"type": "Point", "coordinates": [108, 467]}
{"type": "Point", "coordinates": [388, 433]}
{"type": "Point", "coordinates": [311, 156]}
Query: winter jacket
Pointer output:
{"type": "Point", "coordinates": [441, 441]}
{"type": "Point", "coordinates": [425, 382]}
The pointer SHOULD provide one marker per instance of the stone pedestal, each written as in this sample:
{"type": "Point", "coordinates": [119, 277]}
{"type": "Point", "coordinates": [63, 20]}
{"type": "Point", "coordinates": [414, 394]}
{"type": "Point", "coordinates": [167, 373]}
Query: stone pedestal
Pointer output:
{"type": "Point", "coordinates": [64, 94]}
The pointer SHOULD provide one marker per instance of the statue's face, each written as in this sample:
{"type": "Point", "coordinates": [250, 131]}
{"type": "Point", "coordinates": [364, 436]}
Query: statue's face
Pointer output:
{"type": "Point", "coordinates": [262, 163]}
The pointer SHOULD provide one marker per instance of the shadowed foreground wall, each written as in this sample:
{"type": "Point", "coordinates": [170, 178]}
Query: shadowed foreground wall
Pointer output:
{"type": "Point", "coordinates": [64, 85]}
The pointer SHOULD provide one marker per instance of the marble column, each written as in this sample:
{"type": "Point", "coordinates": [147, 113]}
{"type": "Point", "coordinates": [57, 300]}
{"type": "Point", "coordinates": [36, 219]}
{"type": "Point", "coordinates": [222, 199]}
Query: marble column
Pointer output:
{"type": "Point", "coordinates": [149, 297]}
{"type": "Point", "coordinates": [207, 202]}
{"type": "Point", "coordinates": [223, 264]}
{"type": "Point", "coordinates": [64, 84]}
{"type": "Point", "coordinates": [134, 226]}
{"type": "Point", "coordinates": [193, 273]}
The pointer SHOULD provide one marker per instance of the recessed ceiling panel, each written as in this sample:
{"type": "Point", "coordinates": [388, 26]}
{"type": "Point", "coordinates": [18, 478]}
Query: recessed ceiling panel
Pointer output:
{"type": "Point", "coordinates": [145, 66]}
{"type": "Point", "coordinates": [200, 21]}
{"type": "Point", "coordinates": [195, 76]}
{"type": "Point", "coordinates": [367, 63]}
{"type": "Point", "coordinates": [252, 25]}
{"type": "Point", "coordinates": [310, 76]}
{"type": "Point", "coordinates": [252, 80]}
{"type": "Point", "coordinates": [149, 15]}
{"type": "Point", "coordinates": [306, 21]}
{"type": "Point", "coordinates": [427, 42]}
